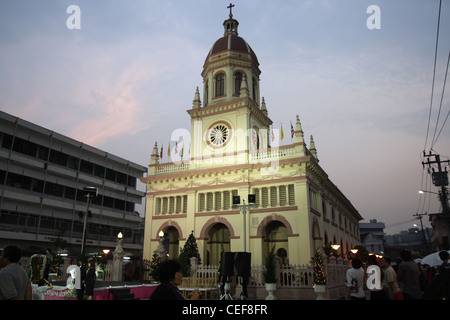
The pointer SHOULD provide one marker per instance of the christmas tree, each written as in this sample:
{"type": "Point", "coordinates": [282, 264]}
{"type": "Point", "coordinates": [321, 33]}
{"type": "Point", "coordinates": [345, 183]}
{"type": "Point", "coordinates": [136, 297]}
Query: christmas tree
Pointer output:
{"type": "Point", "coordinates": [189, 250]}
{"type": "Point", "coordinates": [154, 267]}
{"type": "Point", "coordinates": [319, 277]}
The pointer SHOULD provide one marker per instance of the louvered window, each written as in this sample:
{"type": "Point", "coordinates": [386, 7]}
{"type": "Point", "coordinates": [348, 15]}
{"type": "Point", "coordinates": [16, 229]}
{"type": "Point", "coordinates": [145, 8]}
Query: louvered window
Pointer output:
{"type": "Point", "coordinates": [226, 200]}
{"type": "Point", "coordinates": [273, 196]}
{"type": "Point", "coordinates": [291, 195]}
{"type": "Point", "coordinates": [282, 190]}
{"type": "Point", "coordinates": [218, 201]}
{"type": "Point", "coordinates": [209, 201]}
{"type": "Point", "coordinates": [201, 202]}
{"type": "Point", "coordinates": [265, 197]}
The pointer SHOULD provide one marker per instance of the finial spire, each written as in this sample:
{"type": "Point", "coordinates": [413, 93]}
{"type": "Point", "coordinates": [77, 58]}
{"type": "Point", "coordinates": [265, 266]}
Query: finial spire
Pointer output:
{"type": "Point", "coordinates": [196, 103]}
{"type": "Point", "coordinates": [230, 24]}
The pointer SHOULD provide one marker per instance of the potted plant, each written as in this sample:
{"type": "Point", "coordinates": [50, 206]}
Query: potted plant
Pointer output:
{"type": "Point", "coordinates": [319, 276]}
{"type": "Point", "coordinates": [269, 274]}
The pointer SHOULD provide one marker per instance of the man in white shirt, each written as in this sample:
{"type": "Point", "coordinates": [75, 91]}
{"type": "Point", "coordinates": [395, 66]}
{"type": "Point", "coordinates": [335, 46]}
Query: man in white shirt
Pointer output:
{"type": "Point", "coordinates": [14, 281]}
{"type": "Point", "coordinates": [390, 284]}
{"type": "Point", "coordinates": [43, 286]}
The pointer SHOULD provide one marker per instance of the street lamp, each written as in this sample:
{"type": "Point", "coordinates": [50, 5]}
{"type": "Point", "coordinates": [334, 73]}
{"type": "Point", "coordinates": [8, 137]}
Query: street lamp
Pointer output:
{"type": "Point", "coordinates": [425, 191]}
{"type": "Point", "coordinates": [335, 247]}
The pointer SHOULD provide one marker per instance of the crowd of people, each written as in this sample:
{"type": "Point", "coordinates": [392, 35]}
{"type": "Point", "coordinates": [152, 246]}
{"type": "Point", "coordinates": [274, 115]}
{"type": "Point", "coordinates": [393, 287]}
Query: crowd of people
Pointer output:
{"type": "Point", "coordinates": [405, 280]}
{"type": "Point", "coordinates": [15, 284]}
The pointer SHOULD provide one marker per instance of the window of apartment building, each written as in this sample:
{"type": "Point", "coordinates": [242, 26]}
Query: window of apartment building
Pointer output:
{"type": "Point", "coordinates": [53, 189]}
{"type": "Point", "coordinates": [87, 167]}
{"type": "Point", "coordinates": [70, 193]}
{"type": "Point", "coordinates": [110, 174]}
{"type": "Point", "coordinates": [25, 147]}
{"type": "Point", "coordinates": [43, 153]}
{"type": "Point", "coordinates": [131, 181]}
{"type": "Point", "coordinates": [6, 141]}
{"type": "Point", "coordinates": [58, 158]}
{"type": "Point", "coordinates": [18, 181]}
{"type": "Point", "coordinates": [121, 178]}
{"type": "Point", "coordinates": [99, 171]}
{"type": "Point", "coordinates": [73, 162]}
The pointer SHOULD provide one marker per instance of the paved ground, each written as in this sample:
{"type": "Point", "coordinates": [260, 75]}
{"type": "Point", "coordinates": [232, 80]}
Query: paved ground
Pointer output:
{"type": "Point", "coordinates": [99, 283]}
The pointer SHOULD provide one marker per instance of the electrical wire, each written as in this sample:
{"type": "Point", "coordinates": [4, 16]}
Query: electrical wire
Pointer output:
{"type": "Point", "coordinates": [440, 106]}
{"type": "Point", "coordinates": [399, 223]}
{"type": "Point", "coordinates": [434, 74]}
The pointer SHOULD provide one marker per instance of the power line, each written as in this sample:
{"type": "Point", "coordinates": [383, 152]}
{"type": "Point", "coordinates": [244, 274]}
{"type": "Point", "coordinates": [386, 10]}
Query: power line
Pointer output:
{"type": "Point", "coordinates": [434, 74]}
{"type": "Point", "coordinates": [399, 223]}
{"type": "Point", "coordinates": [440, 106]}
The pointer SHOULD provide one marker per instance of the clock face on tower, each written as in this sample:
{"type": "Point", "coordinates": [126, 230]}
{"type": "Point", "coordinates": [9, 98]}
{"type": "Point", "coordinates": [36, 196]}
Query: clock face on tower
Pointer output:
{"type": "Point", "coordinates": [218, 134]}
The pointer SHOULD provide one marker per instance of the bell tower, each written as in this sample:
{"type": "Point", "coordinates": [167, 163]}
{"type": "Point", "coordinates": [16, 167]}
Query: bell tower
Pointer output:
{"type": "Point", "coordinates": [232, 121]}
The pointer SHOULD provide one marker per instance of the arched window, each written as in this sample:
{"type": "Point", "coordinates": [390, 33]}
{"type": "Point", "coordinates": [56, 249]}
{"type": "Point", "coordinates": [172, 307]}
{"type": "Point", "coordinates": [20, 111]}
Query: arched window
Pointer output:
{"type": "Point", "coordinates": [220, 85]}
{"type": "Point", "coordinates": [237, 82]}
{"type": "Point", "coordinates": [254, 90]}
{"type": "Point", "coordinates": [206, 94]}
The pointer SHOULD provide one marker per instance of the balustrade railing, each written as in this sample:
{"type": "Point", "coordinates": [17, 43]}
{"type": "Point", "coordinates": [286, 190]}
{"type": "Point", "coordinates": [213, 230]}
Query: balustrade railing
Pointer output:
{"type": "Point", "coordinates": [263, 156]}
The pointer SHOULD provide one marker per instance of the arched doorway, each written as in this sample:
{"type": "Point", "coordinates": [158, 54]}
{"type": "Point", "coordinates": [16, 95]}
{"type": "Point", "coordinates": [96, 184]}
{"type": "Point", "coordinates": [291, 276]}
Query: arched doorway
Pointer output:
{"type": "Point", "coordinates": [276, 235]}
{"type": "Point", "coordinates": [171, 242]}
{"type": "Point", "coordinates": [218, 240]}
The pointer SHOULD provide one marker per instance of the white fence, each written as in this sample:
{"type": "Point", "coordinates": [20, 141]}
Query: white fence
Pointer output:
{"type": "Point", "coordinates": [294, 281]}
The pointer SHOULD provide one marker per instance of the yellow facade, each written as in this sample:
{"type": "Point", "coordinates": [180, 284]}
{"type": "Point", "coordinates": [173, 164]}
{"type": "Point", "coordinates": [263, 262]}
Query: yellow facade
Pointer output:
{"type": "Point", "coordinates": [232, 150]}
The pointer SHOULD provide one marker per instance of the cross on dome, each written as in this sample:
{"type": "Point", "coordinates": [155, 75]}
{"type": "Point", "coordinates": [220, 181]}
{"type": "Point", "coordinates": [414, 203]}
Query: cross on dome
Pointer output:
{"type": "Point", "coordinates": [231, 24]}
{"type": "Point", "coordinates": [230, 7]}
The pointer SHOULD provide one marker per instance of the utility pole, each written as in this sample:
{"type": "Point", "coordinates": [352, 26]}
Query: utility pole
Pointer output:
{"type": "Point", "coordinates": [440, 179]}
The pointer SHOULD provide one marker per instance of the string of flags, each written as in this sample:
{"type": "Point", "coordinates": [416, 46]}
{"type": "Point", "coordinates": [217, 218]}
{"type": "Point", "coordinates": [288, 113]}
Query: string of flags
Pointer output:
{"type": "Point", "coordinates": [273, 134]}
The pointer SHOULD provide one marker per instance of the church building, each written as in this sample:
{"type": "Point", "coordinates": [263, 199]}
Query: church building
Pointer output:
{"type": "Point", "coordinates": [286, 199]}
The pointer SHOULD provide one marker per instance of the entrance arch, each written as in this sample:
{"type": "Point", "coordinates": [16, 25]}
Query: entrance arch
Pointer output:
{"type": "Point", "coordinates": [171, 242]}
{"type": "Point", "coordinates": [276, 235]}
{"type": "Point", "coordinates": [217, 240]}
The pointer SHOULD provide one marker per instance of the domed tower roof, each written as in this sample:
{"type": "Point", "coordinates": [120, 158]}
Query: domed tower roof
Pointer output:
{"type": "Point", "coordinates": [231, 69]}
{"type": "Point", "coordinates": [231, 42]}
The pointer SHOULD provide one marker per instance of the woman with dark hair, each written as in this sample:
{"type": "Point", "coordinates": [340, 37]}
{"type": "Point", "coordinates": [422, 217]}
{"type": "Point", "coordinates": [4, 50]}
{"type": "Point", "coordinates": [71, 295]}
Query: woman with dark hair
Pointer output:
{"type": "Point", "coordinates": [355, 281]}
{"type": "Point", "coordinates": [171, 277]}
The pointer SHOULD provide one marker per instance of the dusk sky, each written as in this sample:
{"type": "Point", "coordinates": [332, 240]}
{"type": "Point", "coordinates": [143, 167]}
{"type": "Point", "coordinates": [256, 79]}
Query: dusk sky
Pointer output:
{"type": "Point", "coordinates": [126, 77]}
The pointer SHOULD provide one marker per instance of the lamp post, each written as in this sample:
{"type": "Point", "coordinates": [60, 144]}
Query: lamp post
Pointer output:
{"type": "Point", "coordinates": [89, 192]}
{"type": "Point", "coordinates": [160, 251]}
{"type": "Point", "coordinates": [118, 258]}
{"type": "Point", "coordinates": [236, 204]}
{"type": "Point", "coordinates": [106, 251]}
